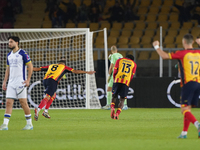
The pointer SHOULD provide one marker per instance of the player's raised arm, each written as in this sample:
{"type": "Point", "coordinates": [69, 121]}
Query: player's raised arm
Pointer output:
{"type": "Point", "coordinates": [198, 41]}
{"type": "Point", "coordinates": [160, 52]}
{"type": "Point", "coordinates": [83, 72]}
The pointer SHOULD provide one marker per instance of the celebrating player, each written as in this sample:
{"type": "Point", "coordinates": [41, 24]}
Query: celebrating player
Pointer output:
{"type": "Point", "coordinates": [17, 60]}
{"type": "Point", "coordinates": [124, 71]}
{"type": "Point", "coordinates": [189, 60]}
{"type": "Point", "coordinates": [52, 77]}
{"type": "Point", "coordinates": [113, 58]}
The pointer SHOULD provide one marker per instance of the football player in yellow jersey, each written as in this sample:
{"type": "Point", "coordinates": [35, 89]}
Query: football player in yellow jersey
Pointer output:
{"type": "Point", "coordinates": [189, 64]}
{"type": "Point", "coordinates": [113, 58]}
{"type": "Point", "coordinates": [124, 71]}
{"type": "Point", "coordinates": [52, 77]}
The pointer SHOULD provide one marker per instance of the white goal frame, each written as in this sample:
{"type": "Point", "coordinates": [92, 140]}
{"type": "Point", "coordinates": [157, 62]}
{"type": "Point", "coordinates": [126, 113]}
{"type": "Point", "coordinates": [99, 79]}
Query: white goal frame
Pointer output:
{"type": "Point", "coordinates": [89, 62]}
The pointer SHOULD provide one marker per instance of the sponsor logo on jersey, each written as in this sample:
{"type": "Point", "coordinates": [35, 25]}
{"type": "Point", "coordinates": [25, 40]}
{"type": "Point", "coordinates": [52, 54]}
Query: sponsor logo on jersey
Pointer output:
{"type": "Point", "coordinates": [20, 87]}
{"type": "Point", "coordinates": [27, 56]}
{"type": "Point", "coordinates": [123, 76]}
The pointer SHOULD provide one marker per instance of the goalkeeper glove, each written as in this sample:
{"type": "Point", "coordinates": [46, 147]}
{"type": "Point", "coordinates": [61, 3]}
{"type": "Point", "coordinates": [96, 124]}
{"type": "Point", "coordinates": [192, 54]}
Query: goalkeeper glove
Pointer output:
{"type": "Point", "coordinates": [64, 76]}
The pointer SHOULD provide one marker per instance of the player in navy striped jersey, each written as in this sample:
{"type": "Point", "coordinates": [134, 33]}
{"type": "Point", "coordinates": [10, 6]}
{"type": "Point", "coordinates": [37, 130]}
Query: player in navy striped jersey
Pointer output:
{"type": "Point", "coordinates": [17, 62]}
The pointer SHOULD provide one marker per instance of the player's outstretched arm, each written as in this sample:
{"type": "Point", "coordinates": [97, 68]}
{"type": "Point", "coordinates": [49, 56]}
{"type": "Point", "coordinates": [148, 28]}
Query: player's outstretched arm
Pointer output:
{"type": "Point", "coordinates": [36, 69]}
{"type": "Point", "coordinates": [83, 72]}
{"type": "Point", "coordinates": [160, 52]}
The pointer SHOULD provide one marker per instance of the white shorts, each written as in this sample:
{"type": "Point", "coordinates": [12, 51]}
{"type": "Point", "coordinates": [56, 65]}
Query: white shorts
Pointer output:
{"type": "Point", "coordinates": [17, 92]}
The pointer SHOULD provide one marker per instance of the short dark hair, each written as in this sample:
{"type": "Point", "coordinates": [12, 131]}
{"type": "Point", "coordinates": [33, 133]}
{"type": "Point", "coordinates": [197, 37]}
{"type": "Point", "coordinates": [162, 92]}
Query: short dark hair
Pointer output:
{"type": "Point", "coordinates": [15, 38]}
{"type": "Point", "coordinates": [62, 60]}
{"type": "Point", "coordinates": [188, 38]}
{"type": "Point", "coordinates": [130, 57]}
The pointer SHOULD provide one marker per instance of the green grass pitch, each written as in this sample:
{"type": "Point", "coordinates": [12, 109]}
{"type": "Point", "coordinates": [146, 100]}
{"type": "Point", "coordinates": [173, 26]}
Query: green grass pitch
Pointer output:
{"type": "Point", "coordinates": [137, 128]}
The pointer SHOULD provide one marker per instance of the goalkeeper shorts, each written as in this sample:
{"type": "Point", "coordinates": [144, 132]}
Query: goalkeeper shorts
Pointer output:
{"type": "Point", "coordinates": [50, 86]}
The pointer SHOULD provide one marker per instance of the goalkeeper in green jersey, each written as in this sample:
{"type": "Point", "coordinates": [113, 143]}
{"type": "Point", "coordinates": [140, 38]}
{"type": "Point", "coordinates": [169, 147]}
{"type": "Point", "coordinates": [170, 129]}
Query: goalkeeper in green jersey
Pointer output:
{"type": "Point", "coordinates": [113, 58]}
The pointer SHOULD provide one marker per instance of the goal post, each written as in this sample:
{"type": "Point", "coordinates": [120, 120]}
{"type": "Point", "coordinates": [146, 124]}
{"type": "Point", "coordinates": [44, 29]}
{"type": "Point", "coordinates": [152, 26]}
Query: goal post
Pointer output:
{"type": "Point", "coordinates": [45, 47]}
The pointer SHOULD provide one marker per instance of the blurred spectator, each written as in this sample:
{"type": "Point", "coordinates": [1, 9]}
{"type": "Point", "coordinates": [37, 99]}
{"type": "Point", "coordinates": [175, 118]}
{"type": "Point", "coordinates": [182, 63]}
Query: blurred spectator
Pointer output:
{"type": "Point", "coordinates": [94, 5]}
{"type": "Point", "coordinates": [8, 13]}
{"type": "Point", "coordinates": [56, 16]}
{"type": "Point", "coordinates": [196, 17]}
{"type": "Point", "coordinates": [116, 12]}
{"type": "Point", "coordinates": [184, 12]}
{"type": "Point", "coordinates": [3, 3]}
{"type": "Point", "coordinates": [94, 15]}
{"type": "Point", "coordinates": [17, 6]}
{"type": "Point", "coordinates": [128, 13]}
{"type": "Point", "coordinates": [71, 11]}
{"type": "Point", "coordinates": [197, 1]}
{"type": "Point", "coordinates": [101, 3]}
{"type": "Point", "coordinates": [50, 4]}
{"type": "Point", "coordinates": [94, 11]}
{"type": "Point", "coordinates": [82, 13]}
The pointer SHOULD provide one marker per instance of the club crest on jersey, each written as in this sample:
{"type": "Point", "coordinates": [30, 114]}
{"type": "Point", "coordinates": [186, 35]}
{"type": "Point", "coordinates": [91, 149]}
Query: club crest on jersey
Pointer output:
{"type": "Point", "coordinates": [123, 76]}
{"type": "Point", "coordinates": [17, 55]}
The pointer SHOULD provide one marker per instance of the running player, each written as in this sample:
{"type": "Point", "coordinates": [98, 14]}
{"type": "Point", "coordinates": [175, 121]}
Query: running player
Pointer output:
{"type": "Point", "coordinates": [52, 77]}
{"type": "Point", "coordinates": [189, 60]}
{"type": "Point", "coordinates": [17, 62]}
{"type": "Point", "coordinates": [113, 58]}
{"type": "Point", "coordinates": [124, 71]}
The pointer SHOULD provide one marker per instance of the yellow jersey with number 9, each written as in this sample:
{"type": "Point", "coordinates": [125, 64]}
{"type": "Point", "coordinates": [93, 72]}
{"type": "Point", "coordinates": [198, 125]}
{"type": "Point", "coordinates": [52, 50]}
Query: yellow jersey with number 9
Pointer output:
{"type": "Point", "coordinates": [189, 63]}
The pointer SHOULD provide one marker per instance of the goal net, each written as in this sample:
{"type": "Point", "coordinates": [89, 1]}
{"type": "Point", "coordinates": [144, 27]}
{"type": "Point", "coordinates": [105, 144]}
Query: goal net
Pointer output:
{"type": "Point", "coordinates": [47, 46]}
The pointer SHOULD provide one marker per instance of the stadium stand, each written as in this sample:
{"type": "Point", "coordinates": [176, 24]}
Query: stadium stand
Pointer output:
{"type": "Point", "coordinates": [126, 32]}
{"type": "Point", "coordinates": [32, 16]}
{"type": "Point", "coordinates": [123, 40]}
{"type": "Point", "coordinates": [114, 32]}
{"type": "Point", "coordinates": [156, 3]}
{"type": "Point", "coordinates": [143, 55]}
{"type": "Point", "coordinates": [154, 56]}
{"type": "Point", "coordinates": [133, 34]}
{"type": "Point", "coordinates": [128, 25]}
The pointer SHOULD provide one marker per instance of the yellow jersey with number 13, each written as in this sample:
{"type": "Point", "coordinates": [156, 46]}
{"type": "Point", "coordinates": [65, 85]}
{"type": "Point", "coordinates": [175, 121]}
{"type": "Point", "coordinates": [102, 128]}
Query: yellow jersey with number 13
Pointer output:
{"type": "Point", "coordinates": [124, 70]}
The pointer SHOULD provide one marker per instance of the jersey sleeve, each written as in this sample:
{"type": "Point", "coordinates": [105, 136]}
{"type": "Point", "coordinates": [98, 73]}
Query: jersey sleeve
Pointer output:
{"type": "Point", "coordinates": [133, 71]}
{"type": "Point", "coordinates": [116, 68]}
{"type": "Point", "coordinates": [7, 59]}
{"type": "Point", "coordinates": [68, 69]}
{"type": "Point", "coordinates": [112, 59]}
{"type": "Point", "coordinates": [44, 68]}
{"type": "Point", "coordinates": [25, 57]}
{"type": "Point", "coordinates": [176, 55]}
